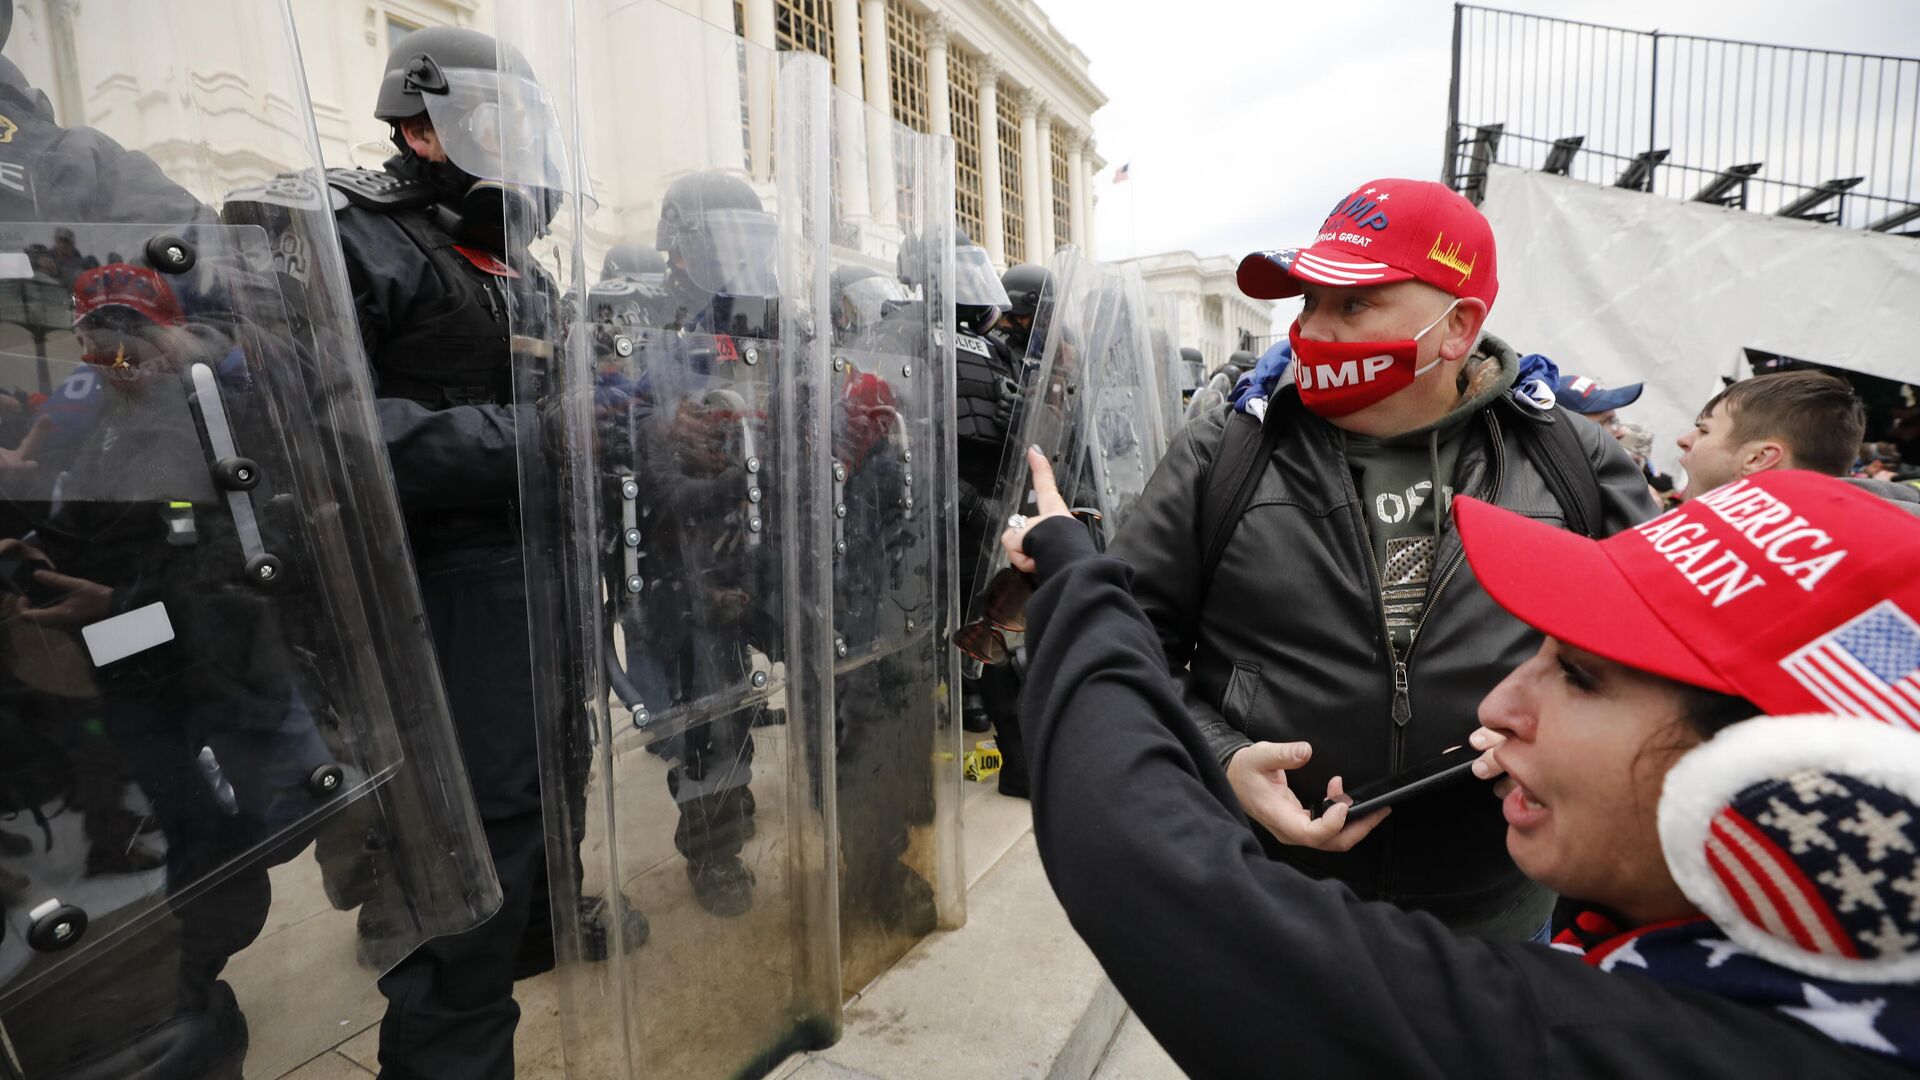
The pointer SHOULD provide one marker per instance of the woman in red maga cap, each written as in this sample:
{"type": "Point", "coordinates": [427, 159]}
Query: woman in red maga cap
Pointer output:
{"type": "Point", "coordinates": [130, 323]}
{"type": "Point", "coordinates": [1747, 886]}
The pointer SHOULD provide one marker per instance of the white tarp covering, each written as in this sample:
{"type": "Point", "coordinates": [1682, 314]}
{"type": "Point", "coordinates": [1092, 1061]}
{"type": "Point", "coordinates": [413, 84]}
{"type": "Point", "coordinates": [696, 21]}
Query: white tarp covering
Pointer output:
{"type": "Point", "coordinates": [1627, 287]}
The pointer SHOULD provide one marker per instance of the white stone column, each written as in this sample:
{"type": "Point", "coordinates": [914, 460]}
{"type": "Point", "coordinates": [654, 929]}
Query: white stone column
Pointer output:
{"type": "Point", "coordinates": [757, 23]}
{"type": "Point", "coordinates": [1076, 191]}
{"type": "Point", "coordinates": [846, 48]}
{"type": "Point", "coordinates": [940, 109]}
{"type": "Point", "coordinates": [1037, 247]}
{"type": "Point", "coordinates": [991, 207]}
{"type": "Point", "coordinates": [1043, 153]}
{"type": "Point", "coordinates": [850, 111]}
{"type": "Point", "coordinates": [721, 84]}
{"type": "Point", "coordinates": [885, 190]}
{"type": "Point", "coordinates": [758, 20]}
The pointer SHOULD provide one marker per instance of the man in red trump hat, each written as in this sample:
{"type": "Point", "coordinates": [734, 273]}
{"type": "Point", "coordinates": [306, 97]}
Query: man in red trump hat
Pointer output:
{"type": "Point", "coordinates": [1340, 637]}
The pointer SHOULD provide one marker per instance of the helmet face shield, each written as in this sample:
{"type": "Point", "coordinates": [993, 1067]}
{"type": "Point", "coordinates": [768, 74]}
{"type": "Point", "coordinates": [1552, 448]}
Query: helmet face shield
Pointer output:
{"type": "Point", "coordinates": [731, 252]}
{"type": "Point", "coordinates": [974, 282]}
{"type": "Point", "coordinates": [500, 126]}
{"type": "Point", "coordinates": [867, 301]}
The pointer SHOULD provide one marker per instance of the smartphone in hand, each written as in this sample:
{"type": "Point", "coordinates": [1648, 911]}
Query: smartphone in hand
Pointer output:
{"type": "Point", "coordinates": [1446, 770]}
{"type": "Point", "coordinates": [16, 576]}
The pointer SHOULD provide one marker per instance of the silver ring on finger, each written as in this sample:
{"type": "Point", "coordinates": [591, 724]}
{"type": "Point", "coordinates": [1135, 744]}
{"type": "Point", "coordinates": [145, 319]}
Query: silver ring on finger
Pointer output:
{"type": "Point", "coordinates": [1017, 522]}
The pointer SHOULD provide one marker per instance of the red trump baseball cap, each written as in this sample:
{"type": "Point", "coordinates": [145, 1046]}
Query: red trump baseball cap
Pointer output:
{"type": "Point", "coordinates": [1793, 590]}
{"type": "Point", "coordinates": [132, 288]}
{"type": "Point", "coordinates": [1387, 231]}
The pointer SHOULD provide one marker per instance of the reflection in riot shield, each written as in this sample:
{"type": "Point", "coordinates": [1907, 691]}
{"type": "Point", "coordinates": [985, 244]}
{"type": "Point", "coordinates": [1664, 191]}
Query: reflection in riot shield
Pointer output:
{"type": "Point", "coordinates": [1215, 392]}
{"type": "Point", "coordinates": [1094, 407]}
{"type": "Point", "coordinates": [677, 512]}
{"type": "Point", "coordinates": [209, 645]}
{"type": "Point", "coordinates": [1169, 367]}
{"type": "Point", "coordinates": [897, 745]}
{"type": "Point", "coordinates": [1050, 386]}
{"type": "Point", "coordinates": [1128, 431]}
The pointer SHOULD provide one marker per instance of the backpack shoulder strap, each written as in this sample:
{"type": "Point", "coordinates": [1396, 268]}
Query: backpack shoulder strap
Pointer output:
{"type": "Point", "coordinates": [1553, 445]}
{"type": "Point", "coordinates": [1231, 481]}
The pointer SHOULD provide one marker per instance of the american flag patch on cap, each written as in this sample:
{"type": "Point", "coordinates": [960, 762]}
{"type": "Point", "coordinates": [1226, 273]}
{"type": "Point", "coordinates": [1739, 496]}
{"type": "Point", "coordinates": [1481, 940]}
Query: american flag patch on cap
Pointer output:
{"type": "Point", "coordinates": [1869, 666]}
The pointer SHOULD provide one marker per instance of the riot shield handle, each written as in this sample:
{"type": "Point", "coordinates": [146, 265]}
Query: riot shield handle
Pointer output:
{"type": "Point", "coordinates": [730, 400]}
{"type": "Point", "coordinates": [237, 477]}
{"type": "Point", "coordinates": [630, 532]}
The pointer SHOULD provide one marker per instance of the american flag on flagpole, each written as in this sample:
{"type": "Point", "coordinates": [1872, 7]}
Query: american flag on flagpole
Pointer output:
{"type": "Point", "coordinates": [1120, 174]}
{"type": "Point", "coordinates": [1868, 667]}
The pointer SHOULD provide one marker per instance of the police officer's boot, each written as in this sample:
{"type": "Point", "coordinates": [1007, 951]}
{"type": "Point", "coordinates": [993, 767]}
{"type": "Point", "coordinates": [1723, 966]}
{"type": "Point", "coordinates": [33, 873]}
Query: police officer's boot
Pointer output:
{"type": "Point", "coordinates": [973, 712]}
{"type": "Point", "coordinates": [536, 954]}
{"type": "Point", "coordinates": [724, 886]}
{"type": "Point", "coordinates": [210, 1044]}
{"type": "Point", "coordinates": [710, 834]}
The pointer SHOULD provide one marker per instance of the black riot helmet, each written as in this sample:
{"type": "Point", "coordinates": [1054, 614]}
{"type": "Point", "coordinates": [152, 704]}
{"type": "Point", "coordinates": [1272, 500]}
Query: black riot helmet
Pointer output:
{"type": "Point", "coordinates": [418, 65]}
{"type": "Point", "coordinates": [505, 155]}
{"type": "Point", "coordinates": [1193, 370]}
{"type": "Point", "coordinates": [1024, 284]}
{"type": "Point", "coordinates": [1241, 361]}
{"type": "Point", "coordinates": [632, 259]}
{"type": "Point", "coordinates": [978, 296]}
{"type": "Point", "coordinates": [718, 239]}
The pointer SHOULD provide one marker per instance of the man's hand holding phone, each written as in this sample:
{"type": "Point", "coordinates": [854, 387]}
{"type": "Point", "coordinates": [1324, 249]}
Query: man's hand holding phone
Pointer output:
{"type": "Point", "coordinates": [1258, 773]}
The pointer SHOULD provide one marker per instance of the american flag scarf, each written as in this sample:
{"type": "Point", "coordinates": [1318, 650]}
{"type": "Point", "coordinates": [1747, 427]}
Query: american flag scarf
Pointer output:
{"type": "Point", "coordinates": [1693, 953]}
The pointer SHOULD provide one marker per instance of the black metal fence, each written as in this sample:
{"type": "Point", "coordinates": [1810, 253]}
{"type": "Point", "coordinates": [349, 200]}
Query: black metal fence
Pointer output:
{"type": "Point", "coordinates": [1808, 133]}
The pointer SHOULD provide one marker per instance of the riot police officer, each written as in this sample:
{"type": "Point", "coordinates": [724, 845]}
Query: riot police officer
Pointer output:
{"type": "Point", "coordinates": [986, 389]}
{"type": "Point", "coordinates": [1218, 388]}
{"type": "Point", "coordinates": [632, 290]}
{"type": "Point", "coordinates": [435, 283]}
{"type": "Point", "coordinates": [706, 608]}
{"type": "Point", "coordinates": [1024, 285]}
{"type": "Point", "coordinates": [1193, 372]}
{"type": "Point", "coordinates": [991, 367]}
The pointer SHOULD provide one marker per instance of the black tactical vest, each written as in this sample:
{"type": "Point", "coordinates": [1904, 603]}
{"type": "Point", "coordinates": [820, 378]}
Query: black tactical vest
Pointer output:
{"type": "Point", "coordinates": [454, 348]}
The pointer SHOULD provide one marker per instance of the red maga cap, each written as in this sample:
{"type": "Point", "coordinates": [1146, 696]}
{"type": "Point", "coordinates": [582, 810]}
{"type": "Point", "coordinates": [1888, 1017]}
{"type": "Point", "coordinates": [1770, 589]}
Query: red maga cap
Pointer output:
{"type": "Point", "coordinates": [1793, 590]}
{"type": "Point", "coordinates": [122, 285]}
{"type": "Point", "coordinates": [1387, 231]}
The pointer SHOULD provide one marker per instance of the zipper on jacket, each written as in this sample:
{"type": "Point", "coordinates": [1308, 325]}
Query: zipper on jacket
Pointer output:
{"type": "Point", "coordinates": [1453, 565]}
{"type": "Point", "coordinates": [1402, 703]}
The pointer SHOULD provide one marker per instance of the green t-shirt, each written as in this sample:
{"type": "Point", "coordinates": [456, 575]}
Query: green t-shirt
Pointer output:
{"type": "Point", "coordinates": [1397, 479]}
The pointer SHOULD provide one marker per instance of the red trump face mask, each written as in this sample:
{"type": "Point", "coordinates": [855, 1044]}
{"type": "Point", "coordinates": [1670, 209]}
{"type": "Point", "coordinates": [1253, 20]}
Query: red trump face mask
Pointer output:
{"type": "Point", "coordinates": [1341, 377]}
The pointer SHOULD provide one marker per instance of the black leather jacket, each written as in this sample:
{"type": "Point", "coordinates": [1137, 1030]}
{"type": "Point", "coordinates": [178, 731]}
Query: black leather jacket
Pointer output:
{"type": "Point", "coordinates": [1290, 642]}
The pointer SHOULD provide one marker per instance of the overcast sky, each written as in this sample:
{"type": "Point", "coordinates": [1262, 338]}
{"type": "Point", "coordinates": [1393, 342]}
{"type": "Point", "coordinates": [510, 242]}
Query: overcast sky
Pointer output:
{"type": "Point", "coordinates": [1244, 120]}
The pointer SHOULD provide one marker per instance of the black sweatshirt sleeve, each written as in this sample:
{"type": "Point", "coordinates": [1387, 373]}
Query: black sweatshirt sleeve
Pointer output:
{"type": "Point", "coordinates": [1241, 966]}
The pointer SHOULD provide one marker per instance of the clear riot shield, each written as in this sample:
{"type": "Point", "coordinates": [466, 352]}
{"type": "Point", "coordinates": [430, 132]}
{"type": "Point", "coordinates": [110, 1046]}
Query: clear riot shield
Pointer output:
{"type": "Point", "coordinates": [229, 796]}
{"type": "Point", "coordinates": [1169, 369]}
{"type": "Point", "coordinates": [1051, 417]}
{"type": "Point", "coordinates": [679, 519]}
{"type": "Point", "coordinates": [1214, 393]}
{"type": "Point", "coordinates": [1124, 433]}
{"type": "Point", "coordinates": [897, 735]}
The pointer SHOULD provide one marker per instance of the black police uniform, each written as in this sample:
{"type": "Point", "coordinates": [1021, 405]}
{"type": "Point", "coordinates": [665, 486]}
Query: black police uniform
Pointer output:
{"type": "Point", "coordinates": [988, 372]}
{"type": "Point", "coordinates": [433, 309]}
